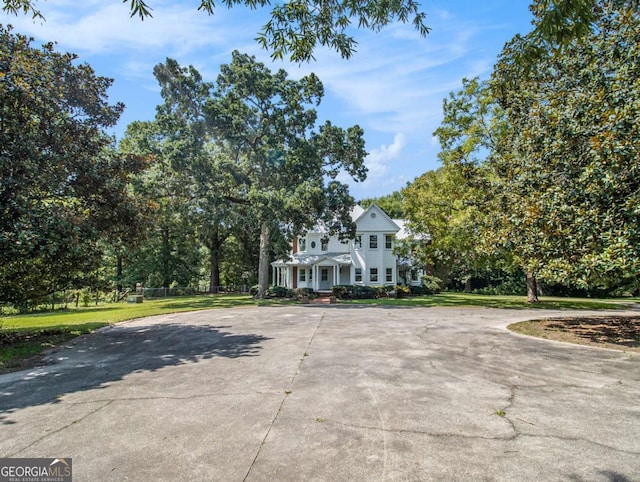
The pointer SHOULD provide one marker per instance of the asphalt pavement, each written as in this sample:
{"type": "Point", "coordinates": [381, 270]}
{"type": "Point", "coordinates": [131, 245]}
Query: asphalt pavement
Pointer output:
{"type": "Point", "coordinates": [328, 393]}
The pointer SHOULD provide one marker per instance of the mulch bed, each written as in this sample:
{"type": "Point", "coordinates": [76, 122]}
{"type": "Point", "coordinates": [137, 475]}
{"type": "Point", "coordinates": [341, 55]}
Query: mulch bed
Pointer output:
{"type": "Point", "coordinates": [618, 332]}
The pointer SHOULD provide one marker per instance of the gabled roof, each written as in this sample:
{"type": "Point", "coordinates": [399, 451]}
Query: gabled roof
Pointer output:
{"type": "Point", "coordinates": [383, 221]}
{"type": "Point", "coordinates": [406, 233]}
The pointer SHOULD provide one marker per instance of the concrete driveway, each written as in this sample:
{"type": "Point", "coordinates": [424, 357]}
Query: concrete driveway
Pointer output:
{"type": "Point", "coordinates": [328, 393]}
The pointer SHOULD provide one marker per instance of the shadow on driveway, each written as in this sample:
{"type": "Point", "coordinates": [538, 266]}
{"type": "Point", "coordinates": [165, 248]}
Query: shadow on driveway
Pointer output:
{"type": "Point", "coordinates": [92, 361]}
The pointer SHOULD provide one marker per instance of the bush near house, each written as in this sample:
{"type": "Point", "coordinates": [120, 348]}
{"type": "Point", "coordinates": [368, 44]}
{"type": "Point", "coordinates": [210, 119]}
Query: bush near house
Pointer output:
{"type": "Point", "coordinates": [273, 292]}
{"type": "Point", "coordinates": [299, 293]}
{"type": "Point", "coordinates": [357, 292]}
{"type": "Point", "coordinates": [432, 285]}
{"type": "Point", "coordinates": [402, 291]}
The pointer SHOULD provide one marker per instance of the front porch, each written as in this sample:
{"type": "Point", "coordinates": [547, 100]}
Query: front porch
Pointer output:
{"type": "Point", "coordinates": [319, 277]}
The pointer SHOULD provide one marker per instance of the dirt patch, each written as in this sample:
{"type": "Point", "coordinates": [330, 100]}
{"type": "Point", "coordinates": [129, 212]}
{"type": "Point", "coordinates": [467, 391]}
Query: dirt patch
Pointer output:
{"type": "Point", "coordinates": [616, 332]}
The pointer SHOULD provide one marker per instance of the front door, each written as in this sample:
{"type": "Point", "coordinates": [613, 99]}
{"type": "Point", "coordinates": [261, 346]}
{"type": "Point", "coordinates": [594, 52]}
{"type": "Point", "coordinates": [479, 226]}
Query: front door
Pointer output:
{"type": "Point", "coordinates": [325, 279]}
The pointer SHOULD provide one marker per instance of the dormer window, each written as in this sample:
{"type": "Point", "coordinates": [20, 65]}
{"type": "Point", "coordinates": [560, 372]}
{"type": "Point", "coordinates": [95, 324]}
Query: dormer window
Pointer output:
{"type": "Point", "coordinates": [324, 245]}
{"type": "Point", "coordinates": [357, 242]}
{"type": "Point", "coordinates": [302, 244]}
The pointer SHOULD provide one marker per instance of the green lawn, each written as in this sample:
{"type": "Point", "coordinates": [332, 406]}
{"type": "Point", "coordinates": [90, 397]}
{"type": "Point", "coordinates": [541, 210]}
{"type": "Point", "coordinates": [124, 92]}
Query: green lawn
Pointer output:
{"type": "Point", "coordinates": [22, 336]}
{"type": "Point", "coordinates": [511, 302]}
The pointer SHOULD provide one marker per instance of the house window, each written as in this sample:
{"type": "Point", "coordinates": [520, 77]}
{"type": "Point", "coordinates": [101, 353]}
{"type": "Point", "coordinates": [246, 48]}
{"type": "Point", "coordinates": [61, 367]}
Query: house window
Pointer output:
{"type": "Point", "coordinates": [388, 241]}
{"type": "Point", "coordinates": [373, 275]}
{"type": "Point", "coordinates": [302, 244]}
{"type": "Point", "coordinates": [313, 245]}
{"type": "Point", "coordinates": [357, 243]}
{"type": "Point", "coordinates": [303, 275]}
{"type": "Point", "coordinates": [389, 275]}
{"type": "Point", "coordinates": [373, 241]}
{"type": "Point", "coordinates": [414, 275]}
{"type": "Point", "coordinates": [324, 245]}
{"type": "Point", "coordinates": [324, 274]}
{"type": "Point", "coordinates": [358, 275]}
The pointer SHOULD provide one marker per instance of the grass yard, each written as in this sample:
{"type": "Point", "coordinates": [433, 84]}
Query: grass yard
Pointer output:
{"type": "Point", "coordinates": [510, 302]}
{"type": "Point", "coordinates": [24, 337]}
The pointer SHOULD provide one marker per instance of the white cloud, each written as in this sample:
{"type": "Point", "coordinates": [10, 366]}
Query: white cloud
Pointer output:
{"type": "Point", "coordinates": [379, 159]}
{"type": "Point", "coordinates": [393, 84]}
{"type": "Point", "coordinates": [95, 28]}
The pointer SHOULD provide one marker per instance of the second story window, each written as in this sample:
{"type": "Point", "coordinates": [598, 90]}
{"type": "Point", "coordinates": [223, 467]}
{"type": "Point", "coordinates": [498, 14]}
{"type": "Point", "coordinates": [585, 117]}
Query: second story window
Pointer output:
{"type": "Point", "coordinates": [357, 242]}
{"type": "Point", "coordinates": [373, 241]}
{"type": "Point", "coordinates": [324, 245]}
{"type": "Point", "coordinates": [388, 241]}
{"type": "Point", "coordinates": [302, 244]}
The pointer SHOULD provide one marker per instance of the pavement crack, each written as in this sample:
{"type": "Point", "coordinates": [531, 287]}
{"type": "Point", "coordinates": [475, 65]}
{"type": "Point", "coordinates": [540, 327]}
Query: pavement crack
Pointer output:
{"type": "Point", "coordinates": [61, 429]}
{"type": "Point", "coordinates": [578, 439]}
{"type": "Point", "coordinates": [419, 432]}
{"type": "Point", "coordinates": [167, 397]}
{"type": "Point", "coordinates": [384, 434]}
{"type": "Point", "coordinates": [286, 394]}
{"type": "Point", "coordinates": [505, 415]}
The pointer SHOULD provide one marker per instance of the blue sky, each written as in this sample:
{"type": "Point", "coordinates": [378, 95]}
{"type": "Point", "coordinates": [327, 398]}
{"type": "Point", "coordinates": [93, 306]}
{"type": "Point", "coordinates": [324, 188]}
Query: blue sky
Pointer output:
{"type": "Point", "coordinates": [392, 87]}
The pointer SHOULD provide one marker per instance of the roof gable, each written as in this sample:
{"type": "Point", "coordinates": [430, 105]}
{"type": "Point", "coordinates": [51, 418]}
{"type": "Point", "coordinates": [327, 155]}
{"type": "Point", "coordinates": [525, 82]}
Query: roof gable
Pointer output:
{"type": "Point", "coordinates": [375, 219]}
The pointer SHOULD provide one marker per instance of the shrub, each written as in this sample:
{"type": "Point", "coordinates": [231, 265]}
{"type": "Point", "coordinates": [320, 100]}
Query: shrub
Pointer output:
{"type": "Point", "coordinates": [300, 292]}
{"type": "Point", "coordinates": [402, 291]}
{"type": "Point", "coordinates": [340, 291]}
{"type": "Point", "coordinates": [417, 290]}
{"type": "Point", "coordinates": [278, 292]}
{"type": "Point", "coordinates": [358, 292]}
{"type": "Point", "coordinates": [432, 284]}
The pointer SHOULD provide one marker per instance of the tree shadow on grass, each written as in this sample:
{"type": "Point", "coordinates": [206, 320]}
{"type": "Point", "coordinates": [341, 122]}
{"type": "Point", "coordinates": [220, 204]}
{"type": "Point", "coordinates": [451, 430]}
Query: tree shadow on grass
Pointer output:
{"type": "Point", "coordinates": [110, 354]}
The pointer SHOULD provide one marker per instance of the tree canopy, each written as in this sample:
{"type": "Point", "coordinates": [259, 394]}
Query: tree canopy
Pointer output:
{"type": "Point", "coordinates": [63, 189]}
{"type": "Point", "coordinates": [569, 170]}
{"type": "Point", "coordinates": [549, 151]}
{"type": "Point", "coordinates": [264, 150]}
{"type": "Point", "coordinates": [296, 28]}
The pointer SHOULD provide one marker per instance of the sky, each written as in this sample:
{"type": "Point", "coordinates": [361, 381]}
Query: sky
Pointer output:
{"type": "Point", "coordinates": [392, 87]}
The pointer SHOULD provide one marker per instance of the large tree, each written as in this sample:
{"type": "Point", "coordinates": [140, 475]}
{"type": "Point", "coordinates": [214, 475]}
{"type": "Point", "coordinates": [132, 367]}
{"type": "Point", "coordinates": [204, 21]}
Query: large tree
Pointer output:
{"type": "Point", "coordinates": [63, 188]}
{"type": "Point", "coordinates": [568, 173]}
{"type": "Point", "coordinates": [270, 157]}
{"type": "Point", "coordinates": [170, 253]}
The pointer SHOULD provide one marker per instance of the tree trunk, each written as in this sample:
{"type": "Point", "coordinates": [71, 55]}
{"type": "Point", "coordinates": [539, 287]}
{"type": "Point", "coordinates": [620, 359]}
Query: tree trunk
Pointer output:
{"type": "Point", "coordinates": [119, 273]}
{"type": "Point", "coordinates": [263, 261]}
{"type": "Point", "coordinates": [214, 262]}
{"type": "Point", "coordinates": [532, 288]}
{"type": "Point", "coordinates": [467, 285]}
{"type": "Point", "coordinates": [166, 258]}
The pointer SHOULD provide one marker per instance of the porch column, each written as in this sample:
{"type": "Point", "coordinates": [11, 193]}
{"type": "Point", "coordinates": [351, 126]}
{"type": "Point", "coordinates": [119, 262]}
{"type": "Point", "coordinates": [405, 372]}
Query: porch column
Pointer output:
{"type": "Point", "coordinates": [315, 277]}
{"type": "Point", "coordinates": [273, 275]}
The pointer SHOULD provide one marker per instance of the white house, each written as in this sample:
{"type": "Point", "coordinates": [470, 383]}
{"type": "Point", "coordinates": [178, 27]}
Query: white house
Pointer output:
{"type": "Point", "coordinates": [318, 263]}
